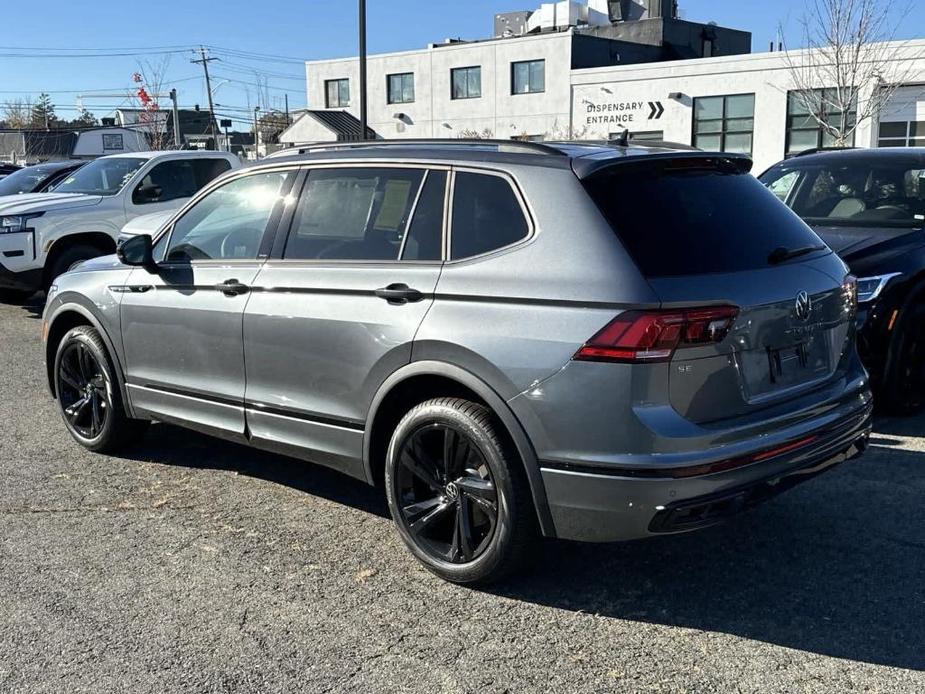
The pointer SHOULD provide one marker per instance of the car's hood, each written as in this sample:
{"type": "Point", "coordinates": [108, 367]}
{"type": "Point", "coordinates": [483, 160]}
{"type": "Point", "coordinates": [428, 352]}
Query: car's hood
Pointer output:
{"type": "Point", "coordinates": [147, 223]}
{"type": "Point", "coordinates": [106, 262]}
{"type": "Point", "coordinates": [43, 202]}
{"type": "Point", "coordinates": [854, 243]}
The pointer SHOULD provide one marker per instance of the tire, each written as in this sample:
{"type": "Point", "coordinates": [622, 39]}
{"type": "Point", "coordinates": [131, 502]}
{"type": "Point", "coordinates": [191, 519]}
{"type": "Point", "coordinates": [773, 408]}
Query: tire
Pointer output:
{"type": "Point", "coordinates": [443, 513]}
{"type": "Point", "coordinates": [66, 259]}
{"type": "Point", "coordinates": [903, 389]}
{"type": "Point", "coordinates": [89, 397]}
{"type": "Point", "coordinates": [15, 296]}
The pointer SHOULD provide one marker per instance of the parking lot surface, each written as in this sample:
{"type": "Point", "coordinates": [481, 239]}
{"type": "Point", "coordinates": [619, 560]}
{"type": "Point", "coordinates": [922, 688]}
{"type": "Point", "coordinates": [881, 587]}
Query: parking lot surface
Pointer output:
{"type": "Point", "coordinates": [194, 565]}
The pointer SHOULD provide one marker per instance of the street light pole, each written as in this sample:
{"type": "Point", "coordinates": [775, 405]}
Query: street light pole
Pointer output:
{"type": "Point", "coordinates": [363, 114]}
{"type": "Point", "coordinates": [256, 135]}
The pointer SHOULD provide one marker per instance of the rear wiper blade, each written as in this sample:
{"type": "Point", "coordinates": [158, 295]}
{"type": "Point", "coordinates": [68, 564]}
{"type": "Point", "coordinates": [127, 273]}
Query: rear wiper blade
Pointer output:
{"type": "Point", "coordinates": [782, 255]}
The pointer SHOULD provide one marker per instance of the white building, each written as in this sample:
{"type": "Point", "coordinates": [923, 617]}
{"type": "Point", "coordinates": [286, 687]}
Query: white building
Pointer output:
{"type": "Point", "coordinates": [577, 78]}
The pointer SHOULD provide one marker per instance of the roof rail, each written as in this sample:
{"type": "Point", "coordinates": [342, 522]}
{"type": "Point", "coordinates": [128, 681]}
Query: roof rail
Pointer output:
{"type": "Point", "coordinates": [817, 150]}
{"type": "Point", "coordinates": [502, 145]}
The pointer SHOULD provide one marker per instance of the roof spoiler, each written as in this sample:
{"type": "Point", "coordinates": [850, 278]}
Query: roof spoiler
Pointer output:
{"type": "Point", "coordinates": [585, 167]}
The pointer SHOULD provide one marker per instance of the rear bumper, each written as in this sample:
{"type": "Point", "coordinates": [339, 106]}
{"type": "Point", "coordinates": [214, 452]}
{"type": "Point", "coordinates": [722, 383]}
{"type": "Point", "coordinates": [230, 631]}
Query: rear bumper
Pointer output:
{"type": "Point", "coordinates": [596, 507]}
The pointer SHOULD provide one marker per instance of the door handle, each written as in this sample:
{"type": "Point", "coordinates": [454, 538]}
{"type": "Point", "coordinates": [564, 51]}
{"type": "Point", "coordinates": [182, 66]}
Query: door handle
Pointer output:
{"type": "Point", "coordinates": [399, 294]}
{"type": "Point", "coordinates": [232, 288]}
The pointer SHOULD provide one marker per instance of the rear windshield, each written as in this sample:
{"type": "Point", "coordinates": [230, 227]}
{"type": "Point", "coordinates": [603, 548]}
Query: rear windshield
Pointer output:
{"type": "Point", "coordinates": [696, 221]}
{"type": "Point", "coordinates": [886, 192]}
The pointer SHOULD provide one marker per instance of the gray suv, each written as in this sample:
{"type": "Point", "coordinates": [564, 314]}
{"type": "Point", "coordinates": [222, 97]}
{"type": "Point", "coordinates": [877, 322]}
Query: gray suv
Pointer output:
{"type": "Point", "coordinates": [515, 340]}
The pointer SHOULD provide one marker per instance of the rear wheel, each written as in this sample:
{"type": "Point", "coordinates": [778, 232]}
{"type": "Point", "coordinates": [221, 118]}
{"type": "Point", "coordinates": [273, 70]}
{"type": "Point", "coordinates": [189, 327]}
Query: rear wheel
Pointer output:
{"type": "Point", "coordinates": [457, 492]}
{"type": "Point", "coordinates": [88, 394]}
{"type": "Point", "coordinates": [67, 258]}
{"type": "Point", "coordinates": [903, 391]}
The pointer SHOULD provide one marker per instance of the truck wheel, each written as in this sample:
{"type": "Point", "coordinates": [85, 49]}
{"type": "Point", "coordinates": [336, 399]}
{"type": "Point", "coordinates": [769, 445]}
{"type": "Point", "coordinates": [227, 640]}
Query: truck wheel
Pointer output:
{"type": "Point", "coordinates": [68, 258]}
{"type": "Point", "coordinates": [903, 391]}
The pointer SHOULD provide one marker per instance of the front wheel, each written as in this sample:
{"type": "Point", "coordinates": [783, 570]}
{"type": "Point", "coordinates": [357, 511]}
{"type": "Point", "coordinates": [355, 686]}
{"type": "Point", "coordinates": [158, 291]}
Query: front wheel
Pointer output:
{"type": "Point", "coordinates": [458, 493]}
{"type": "Point", "coordinates": [88, 394]}
{"type": "Point", "coordinates": [903, 391]}
{"type": "Point", "coordinates": [67, 259]}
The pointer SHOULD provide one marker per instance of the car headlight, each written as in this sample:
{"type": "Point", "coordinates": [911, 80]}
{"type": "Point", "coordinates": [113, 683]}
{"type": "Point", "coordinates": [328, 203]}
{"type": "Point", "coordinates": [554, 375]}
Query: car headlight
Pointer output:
{"type": "Point", "coordinates": [17, 223]}
{"type": "Point", "coordinates": [870, 288]}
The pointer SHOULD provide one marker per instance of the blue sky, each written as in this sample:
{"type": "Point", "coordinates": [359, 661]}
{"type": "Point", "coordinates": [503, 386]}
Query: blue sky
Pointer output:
{"type": "Point", "coordinates": [305, 29]}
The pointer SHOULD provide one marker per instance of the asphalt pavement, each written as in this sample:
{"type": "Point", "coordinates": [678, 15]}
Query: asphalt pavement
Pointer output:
{"type": "Point", "coordinates": [193, 565]}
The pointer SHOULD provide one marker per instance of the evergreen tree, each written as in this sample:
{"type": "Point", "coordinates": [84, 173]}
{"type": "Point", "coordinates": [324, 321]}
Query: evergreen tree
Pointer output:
{"type": "Point", "coordinates": [43, 112]}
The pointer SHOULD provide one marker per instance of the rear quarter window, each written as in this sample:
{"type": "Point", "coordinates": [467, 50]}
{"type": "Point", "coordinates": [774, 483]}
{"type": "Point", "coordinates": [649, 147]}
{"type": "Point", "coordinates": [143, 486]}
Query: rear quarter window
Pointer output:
{"type": "Point", "coordinates": [695, 221]}
{"type": "Point", "coordinates": [487, 215]}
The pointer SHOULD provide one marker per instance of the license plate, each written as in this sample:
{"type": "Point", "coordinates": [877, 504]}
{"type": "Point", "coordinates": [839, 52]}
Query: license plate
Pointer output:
{"type": "Point", "coordinates": [789, 363]}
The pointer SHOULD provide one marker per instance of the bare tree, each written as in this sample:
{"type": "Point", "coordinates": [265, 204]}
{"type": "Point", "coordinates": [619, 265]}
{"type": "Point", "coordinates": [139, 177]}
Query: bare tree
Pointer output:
{"type": "Point", "coordinates": [848, 70]}
{"type": "Point", "coordinates": [17, 114]}
{"type": "Point", "coordinates": [149, 83]}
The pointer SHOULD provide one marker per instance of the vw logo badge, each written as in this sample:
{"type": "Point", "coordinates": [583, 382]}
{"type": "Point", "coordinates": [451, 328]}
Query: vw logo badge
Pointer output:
{"type": "Point", "coordinates": [452, 492]}
{"type": "Point", "coordinates": [804, 306]}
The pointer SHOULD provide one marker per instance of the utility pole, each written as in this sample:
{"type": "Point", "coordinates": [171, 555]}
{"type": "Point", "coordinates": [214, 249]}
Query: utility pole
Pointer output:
{"type": "Point", "coordinates": [176, 119]}
{"type": "Point", "coordinates": [204, 61]}
{"type": "Point", "coordinates": [363, 113]}
{"type": "Point", "coordinates": [256, 134]}
{"type": "Point", "coordinates": [288, 121]}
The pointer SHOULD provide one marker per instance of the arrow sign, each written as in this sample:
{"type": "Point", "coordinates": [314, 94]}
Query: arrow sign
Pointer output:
{"type": "Point", "coordinates": [657, 110]}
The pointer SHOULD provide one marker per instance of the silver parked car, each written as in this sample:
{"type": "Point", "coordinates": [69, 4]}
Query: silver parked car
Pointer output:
{"type": "Point", "coordinates": [581, 341]}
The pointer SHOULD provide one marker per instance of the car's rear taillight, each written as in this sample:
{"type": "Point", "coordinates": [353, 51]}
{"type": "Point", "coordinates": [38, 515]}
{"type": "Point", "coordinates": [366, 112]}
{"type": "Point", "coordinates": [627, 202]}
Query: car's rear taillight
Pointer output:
{"type": "Point", "coordinates": [653, 336]}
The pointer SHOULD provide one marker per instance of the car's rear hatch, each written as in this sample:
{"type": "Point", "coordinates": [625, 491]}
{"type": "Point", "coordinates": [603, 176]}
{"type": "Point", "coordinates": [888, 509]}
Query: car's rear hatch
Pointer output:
{"type": "Point", "coordinates": [706, 234]}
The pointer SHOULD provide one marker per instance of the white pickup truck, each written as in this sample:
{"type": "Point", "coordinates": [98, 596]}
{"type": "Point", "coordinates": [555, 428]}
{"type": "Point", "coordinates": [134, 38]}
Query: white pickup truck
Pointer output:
{"type": "Point", "coordinates": [43, 235]}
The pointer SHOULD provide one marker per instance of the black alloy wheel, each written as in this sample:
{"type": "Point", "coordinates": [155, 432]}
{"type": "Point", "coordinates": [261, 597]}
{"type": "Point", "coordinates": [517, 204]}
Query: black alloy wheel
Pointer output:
{"type": "Point", "coordinates": [458, 492]}
{"type": "Point", "coordinates": [89, 395]}
{"type": "Point", "coordinates": [84, 396]}
{"type": "Point", "coordinates": [904, 387]}
{"type": "Point", "coordinates": [446, 493]}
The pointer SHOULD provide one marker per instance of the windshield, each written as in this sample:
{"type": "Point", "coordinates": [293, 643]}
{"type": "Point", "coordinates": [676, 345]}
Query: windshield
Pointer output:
{"type": "Point", "coordinates": [875, 192]}
{"type": "Point", "coordinates": [26, 180]}
{"type": "Point", "coordinates": [101, 177]}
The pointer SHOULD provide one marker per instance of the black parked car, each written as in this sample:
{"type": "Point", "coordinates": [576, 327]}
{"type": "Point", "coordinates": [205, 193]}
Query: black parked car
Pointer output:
{"type": "Point", "coordinates": [869, 206]}
{"type": "Point", "coordinates": [39, 178]}
{"type": "Point", "coordinates": [7, 169]}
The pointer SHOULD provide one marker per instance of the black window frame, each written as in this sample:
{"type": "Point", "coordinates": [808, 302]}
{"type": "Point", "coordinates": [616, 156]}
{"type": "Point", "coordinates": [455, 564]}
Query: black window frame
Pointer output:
{"type": "Point", "coordinates": [468, 69]}
{"type": "Point", "coordinates": [515, 64]}
{"type": "Point", "coordinates": [388, 88]}
{"type": "Point", "coordinates": [914, 135]}
{"type": "Point", "coordinates": [340, 82]}
{"type": "Point", "coordinates": [451, 205]}
{"type": "Point", "coordinates": [724, 129]}
{"type": "Point", "coordinates": [820, 131]}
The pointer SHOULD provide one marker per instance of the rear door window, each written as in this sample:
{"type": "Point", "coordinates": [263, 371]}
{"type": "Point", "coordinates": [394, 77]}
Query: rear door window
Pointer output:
{"type": "Point", "coordinates": [678, 221]}
{"type": "Point", "coordinates": [487, 215]}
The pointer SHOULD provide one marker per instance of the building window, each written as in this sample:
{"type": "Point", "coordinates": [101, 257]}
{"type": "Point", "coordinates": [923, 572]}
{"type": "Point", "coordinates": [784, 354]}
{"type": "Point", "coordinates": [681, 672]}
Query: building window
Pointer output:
{"type": "Point", "coordinates": [902, 134]}
{"type": "Point", "coordinates": [401, 88]}
{"type": "Point", "coordinates": [337, 93]}
{"type": "Point", "coordinates": [528, 77]}
{"type": "Point", "coordinates": [467, 82]}
{"type": "Point", "coordinates": [803, 129]}
{"type": "Point", "coordinates": [725, 123]}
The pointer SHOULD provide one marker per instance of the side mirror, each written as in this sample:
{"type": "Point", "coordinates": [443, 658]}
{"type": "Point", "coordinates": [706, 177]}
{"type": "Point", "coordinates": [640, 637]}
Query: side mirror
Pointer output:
{"type": "Point", "coordinates": [138, 251]}
{"type": "Point", "coordinates": [147, 192]}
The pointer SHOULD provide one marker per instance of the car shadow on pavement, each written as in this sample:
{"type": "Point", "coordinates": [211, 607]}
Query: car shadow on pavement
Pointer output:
{"type": "Point", "coordinates": [835, 567]}
{"type": "Point", "coordinates": [169, 445]}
